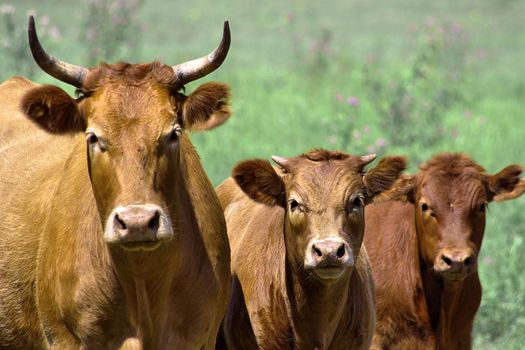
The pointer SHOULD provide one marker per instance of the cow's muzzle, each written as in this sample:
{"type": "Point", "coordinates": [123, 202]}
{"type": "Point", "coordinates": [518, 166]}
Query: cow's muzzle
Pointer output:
{"type": "Point", "coordinates": [138, 227]}
{"type": "Point", "coordinates": [455, 264]}
{"type": "Point", "coordinates": [329, 258]}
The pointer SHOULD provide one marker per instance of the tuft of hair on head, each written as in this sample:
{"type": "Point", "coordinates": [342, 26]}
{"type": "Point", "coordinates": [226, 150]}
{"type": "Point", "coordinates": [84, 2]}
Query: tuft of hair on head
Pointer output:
{"type": "Point", "coordinates": [323, 155]}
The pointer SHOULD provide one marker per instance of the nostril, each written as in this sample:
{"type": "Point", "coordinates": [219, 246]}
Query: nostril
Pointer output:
{"type": "Point", "coordinates": [317, 251]}
{"type": "Point", "coordinates": [153, 224]}
{"type": "Point", "coordinates": [340, 251]}
{"type": "Point", "coordinates": [446, 260]}
{"type": "Point", "coordinates": [467, 261]}
{"type": "Point", "coordinates": [119, 223]}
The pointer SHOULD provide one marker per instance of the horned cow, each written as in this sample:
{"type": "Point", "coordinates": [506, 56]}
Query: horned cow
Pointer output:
{"type": "Point", "coordinates": [110, 227]}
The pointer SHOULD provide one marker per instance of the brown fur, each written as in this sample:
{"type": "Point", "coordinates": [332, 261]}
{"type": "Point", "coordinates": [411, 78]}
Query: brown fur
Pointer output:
{"type": "Point", "coordinates": [419, 307]}
{"type": "Point", "coordinates": [263, 184]}
{"type": "Point", "coordinates": [276, 303]}
{"type": "Point", "coordinates": [53, 109]}
{"type": "Point", "coordinates": [61, 285]}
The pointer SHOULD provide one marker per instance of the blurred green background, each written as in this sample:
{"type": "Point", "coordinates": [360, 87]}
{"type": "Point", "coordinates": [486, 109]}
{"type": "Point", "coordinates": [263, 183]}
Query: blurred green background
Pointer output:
{"type": "Point", "coordinates": [382, 76]}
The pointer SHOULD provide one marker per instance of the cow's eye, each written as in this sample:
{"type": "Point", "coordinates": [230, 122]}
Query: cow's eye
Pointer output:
{"type": "Point", "coordinates": [355, 204]}
{"type": "Point", "coordinates": [95, 142]}
{"type": "Point", "coordinates": [483, 207]}
{"type": "Point", "coordinates": [92, 138]}
{"type": "Point", "coordinates": [424, 207]}
{"type": "Point", "coordinates": [174, 135]}
{"type": "Point", "coordinates": [294, 205]}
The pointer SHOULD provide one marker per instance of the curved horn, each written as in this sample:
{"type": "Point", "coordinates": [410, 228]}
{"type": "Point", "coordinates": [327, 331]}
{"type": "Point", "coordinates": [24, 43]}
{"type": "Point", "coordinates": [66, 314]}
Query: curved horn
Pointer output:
{"type": "Point", "coordinates": [197, 68]}
{"type": "Point", "coordinates": [368, 159]}
{"type": "Point", "coordinates": [68, 73]}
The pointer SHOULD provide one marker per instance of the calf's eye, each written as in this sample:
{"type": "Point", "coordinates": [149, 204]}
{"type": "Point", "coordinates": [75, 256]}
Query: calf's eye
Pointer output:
{"type": "Point", "coordinates": [294, 205]}
{"type": "Point", "coordinates": [424, 207]}
{"type": "Point", "coordinates": [357, 202]}
{"type": "Point", "coordinates": [482, 207]}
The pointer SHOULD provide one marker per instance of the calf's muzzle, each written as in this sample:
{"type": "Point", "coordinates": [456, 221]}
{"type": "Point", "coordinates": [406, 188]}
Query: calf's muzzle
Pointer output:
{"type": "Point", "coordinates": [455, 263]}
{"type": "Point", "coordinates": [329, 257]}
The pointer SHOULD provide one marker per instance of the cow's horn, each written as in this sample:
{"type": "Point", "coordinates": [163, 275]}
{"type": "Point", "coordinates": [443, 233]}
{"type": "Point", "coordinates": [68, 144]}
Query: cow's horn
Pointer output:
{"type": "Point", "coordinates": [280, 161]}
{"type": "Point", "coordinates": [368, 159]}
{"type": "Point", "coordinates": [63, 71]}
{"type": "Point", "coordinates": [197, 68]}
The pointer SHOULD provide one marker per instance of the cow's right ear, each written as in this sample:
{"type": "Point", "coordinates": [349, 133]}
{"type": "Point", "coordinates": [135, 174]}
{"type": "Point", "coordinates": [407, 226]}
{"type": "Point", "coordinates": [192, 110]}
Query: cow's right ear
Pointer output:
{"type": "Point", "coordinates": [260, 182]}
{"type": "Point", "coordinates": [403, 189]}
{"type": "Point", "coordinates": [53, 110]}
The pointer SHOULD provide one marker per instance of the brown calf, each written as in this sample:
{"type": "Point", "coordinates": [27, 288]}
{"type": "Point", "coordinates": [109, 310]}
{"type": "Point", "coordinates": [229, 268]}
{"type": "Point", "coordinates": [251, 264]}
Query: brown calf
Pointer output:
{"type": "Point", "coordinates": [112, 236]}
{"type": "Point", "coordinates": [300, 277]}
{"type": "Point", "coordinates": [424, 252]}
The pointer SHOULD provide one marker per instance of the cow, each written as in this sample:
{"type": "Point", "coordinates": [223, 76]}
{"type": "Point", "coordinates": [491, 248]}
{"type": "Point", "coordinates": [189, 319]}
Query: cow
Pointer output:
{"type": "Point", "coordinates": [300, 277]}
{"type": "Point", "coordinates": [112, 236]}
{"type": "Point", "coordinates": [423, 247]}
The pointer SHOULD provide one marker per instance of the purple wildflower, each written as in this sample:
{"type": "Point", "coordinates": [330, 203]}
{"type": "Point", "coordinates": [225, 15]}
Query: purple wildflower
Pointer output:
{"type": "Point", "coordinates": [353, 101]}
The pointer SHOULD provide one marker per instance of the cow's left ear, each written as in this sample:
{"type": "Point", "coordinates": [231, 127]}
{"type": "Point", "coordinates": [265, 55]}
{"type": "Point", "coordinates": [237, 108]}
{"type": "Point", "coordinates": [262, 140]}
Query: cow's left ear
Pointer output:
{"type": "Point", "coordinates": [383, 177]}
{"type": "Point", "coordinates": [207, 107]}
{"type": "Point", "coordinates": [53, 110]}
{"type": "Point", "coordinates": [506, 184]}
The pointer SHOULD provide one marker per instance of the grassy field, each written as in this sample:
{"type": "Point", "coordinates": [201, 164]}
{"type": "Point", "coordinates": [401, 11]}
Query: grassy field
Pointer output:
{"type": "Point", "coordinates": [398, 77]}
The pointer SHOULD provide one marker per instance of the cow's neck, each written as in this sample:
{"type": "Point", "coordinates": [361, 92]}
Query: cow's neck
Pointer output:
{"type": "Point", "coordinates": [148, 277]}
{"type": "Point", "coordinates": [447, 308]}
{"type": "Point", "coordinates": [316, 308]}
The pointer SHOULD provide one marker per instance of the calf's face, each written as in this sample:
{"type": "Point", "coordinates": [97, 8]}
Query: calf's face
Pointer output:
{"type": "Point", "coordinates": [451, 194]}
{"type": "Point", "coordinates": [323, 194]}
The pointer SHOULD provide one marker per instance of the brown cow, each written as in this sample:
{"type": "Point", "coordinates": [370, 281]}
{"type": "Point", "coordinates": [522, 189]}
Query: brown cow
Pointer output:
{"type": "Point", "coordinates": [424, 252]}
{"type": "Point", "coordinates": [300, 277]}
{"type": "Point", "coordinates": [111, 233]}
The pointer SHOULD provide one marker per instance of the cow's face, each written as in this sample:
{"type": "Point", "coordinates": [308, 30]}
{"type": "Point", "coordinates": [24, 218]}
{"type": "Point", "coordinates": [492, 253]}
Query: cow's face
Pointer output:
{"type": "Point", "coordinates": [134, 119]}
{"type": "Point", "coordinates": [451, 194]}
{"type": "Point", "coordinates": [324, 194]}
{"type": "Point", "coordinates": [134, 136]}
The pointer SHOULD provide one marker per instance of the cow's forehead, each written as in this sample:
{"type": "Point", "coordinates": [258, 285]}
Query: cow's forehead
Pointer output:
{"type": "Point", "coordinates": [326, 181]}
{"type": "Point", "coordinates": [456, 188]}
{"type": "Point", "coordinates": [137, 109]}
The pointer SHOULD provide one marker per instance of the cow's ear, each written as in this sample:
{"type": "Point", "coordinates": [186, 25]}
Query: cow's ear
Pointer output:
{"type": "Point", "coordinates": [260, 182]}
{"type": "Point", "coordinates": [386, 181]}
{"type": "Point", "coordinates": [506, 184]}
{"type": "Point", "coordinates": [403, 189]}
{"type": "Point", "coordinates": [207, 107]}
{"type": "Point", "coordinates": [519, 189]}
{"type": "Point", "coordinates": [53, 110]}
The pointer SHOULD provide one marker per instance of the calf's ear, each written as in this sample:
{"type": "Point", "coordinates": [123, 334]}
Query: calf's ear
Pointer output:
{"type": "Point", "coordinates": [207, 107]}
{"type": "Point", "coordinates": [260, 182]}
{"type": "Point", "coordinates": [386, 181]}
{"type": "Point", "coordinates": [53, 110]}
{"type": "Point", "coordinates": [506, 184]}
{"type": "Point", "coordinates": [519, 189]}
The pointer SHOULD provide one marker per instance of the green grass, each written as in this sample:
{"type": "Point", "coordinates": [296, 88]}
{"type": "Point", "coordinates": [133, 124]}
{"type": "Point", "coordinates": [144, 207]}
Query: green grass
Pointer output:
{"type": "Point", "coordinates": [288, 62]}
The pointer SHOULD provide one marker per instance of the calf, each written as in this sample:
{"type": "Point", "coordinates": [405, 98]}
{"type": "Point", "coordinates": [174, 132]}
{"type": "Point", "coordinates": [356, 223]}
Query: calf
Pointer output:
{"type": "Point", "coordinates": [424, 252]}
{"type": "Point", "coordinates": [301, 279]}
